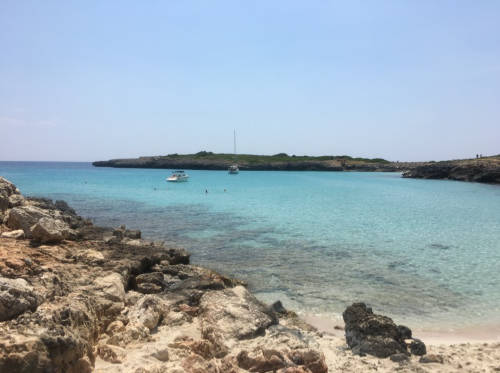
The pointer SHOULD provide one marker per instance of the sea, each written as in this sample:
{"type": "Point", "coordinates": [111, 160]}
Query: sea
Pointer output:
{"type": "Point", "coordinates": [425, 252]}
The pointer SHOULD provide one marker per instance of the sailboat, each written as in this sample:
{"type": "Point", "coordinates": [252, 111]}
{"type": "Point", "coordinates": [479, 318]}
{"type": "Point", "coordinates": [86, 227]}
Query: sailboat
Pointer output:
{"type": "Point", "coordinates": [234, 169]}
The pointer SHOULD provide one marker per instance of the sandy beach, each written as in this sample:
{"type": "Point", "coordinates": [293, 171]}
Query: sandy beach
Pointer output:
{"type": "Point", "coordinates": [471, 349]}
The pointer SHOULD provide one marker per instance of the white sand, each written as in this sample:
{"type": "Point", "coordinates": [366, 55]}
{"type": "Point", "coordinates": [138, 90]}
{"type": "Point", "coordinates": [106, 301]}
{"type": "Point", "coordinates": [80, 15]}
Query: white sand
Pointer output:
{"type": "Point", "coordinates": [473, 349]}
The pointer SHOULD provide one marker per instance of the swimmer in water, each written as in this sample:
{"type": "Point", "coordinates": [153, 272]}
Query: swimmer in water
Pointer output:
{"type": "Point", "coordinates": [206, 191]}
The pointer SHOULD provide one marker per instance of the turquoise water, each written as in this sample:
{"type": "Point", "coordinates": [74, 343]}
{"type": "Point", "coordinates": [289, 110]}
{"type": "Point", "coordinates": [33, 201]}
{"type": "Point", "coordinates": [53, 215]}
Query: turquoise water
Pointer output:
{"type": "Point", "coordinates": [422, 251]}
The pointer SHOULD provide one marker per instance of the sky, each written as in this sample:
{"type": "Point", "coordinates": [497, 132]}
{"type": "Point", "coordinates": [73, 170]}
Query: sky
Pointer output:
{"type": "Point", "coordinates": [402, 80]}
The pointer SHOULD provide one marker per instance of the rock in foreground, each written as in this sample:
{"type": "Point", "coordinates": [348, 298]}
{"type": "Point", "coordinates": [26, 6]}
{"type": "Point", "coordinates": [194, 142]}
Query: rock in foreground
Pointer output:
{"type": "Point", "coordinates": [377, 335]}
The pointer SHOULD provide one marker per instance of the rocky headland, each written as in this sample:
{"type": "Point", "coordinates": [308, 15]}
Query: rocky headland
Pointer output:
{"type": "Point", "coordinates": [75, 297]}
{"type": "Point", "coordinates": [481, 170]}
{"type": "Point", "coordinates": [248, 162]}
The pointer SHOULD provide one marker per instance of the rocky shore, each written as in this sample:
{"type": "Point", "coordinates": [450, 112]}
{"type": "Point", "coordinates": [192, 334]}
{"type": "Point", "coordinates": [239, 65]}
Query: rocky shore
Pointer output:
{"type": "Point", "coordinates": [482, 170]}
{"type": "Point", "coordinates": [75, 297]}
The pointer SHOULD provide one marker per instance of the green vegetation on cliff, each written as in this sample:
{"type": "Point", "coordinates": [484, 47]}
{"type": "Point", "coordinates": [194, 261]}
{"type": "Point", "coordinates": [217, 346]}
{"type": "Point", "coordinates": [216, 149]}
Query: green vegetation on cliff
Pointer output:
{"type": "Point", "coordinates": [280, 157]}
{"type": "Point", "coordinates": [219, 161]}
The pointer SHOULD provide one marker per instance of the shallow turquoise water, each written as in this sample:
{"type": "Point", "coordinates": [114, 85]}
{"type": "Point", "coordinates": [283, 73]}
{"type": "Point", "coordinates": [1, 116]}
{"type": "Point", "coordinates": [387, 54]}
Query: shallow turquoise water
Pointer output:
{"type": "Point", "coordinates": [423, 251]}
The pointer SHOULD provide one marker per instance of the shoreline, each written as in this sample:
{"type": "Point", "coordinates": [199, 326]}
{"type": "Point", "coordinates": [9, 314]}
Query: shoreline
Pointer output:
{"type": "Point", "coordinates": [479, 333]}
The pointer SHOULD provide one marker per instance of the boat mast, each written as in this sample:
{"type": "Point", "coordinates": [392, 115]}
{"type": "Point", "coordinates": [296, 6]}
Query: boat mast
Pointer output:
{"type": "Point", "coordinates": [235, 143]}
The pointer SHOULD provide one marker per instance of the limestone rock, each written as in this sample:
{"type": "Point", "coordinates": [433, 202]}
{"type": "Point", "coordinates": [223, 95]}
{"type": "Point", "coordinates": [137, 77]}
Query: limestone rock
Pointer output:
{"type": "Point", "coordinates": [16, 297]}
{"type": "Point", "coordinates": [83, 365]}
{"type": "Point", "coordinates": [24, 217]}
{"type": "Point", "coordinates": [16, 200]}
{"type": "Point", "coordinates": [149, 288]}
{"type": "Point", "coordinates": [91, 256]}
{"type": "Point", "coordinates": [148, 311]}
{"type": "Point", "coordinates": [49, 230]}
{"type": "Point", "coordinates": [132, 297]}
{"type": "Point", "coordinates": [311, 359]}
{"type": "Point", "coordinates": [111, 240]}
{"type": "Point", "coordinates": [261, 360]}
{"type": "Point", "coordinates": [110, 353]}
{"type": "Point", "coordinates": [115, 327]}
{"type": "Point", "coordinates": [17, 234]}
{"type": "Point", "coordinates": [235, 313]}
{"type": "Point", "coordinates": [135, 242]}
{"type": "Point", "coordinates": [161, 354]}
{"type": "Point", "coordinates": [196, 364]}
{"type": "Point", "coordinates": [151, 277]}
{"type": "Point", "coordinates": [7, 190]}
{"type": "Point", "coordinates": [111, 287]}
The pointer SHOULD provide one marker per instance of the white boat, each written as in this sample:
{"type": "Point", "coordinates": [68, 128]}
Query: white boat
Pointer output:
{"type": "Point", "coordinates": [178, 176]}
{"type": "Point", "coordinates": [234, 169]}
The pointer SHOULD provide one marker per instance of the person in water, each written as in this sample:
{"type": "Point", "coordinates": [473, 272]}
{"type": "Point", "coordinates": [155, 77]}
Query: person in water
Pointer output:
{"type": "Point", "coordinates": [206, 191]}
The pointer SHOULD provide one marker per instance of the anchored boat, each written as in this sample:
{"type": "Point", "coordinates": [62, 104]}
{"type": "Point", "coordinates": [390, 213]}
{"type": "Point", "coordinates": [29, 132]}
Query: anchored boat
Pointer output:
{"type": "Point", "coordinates": [234, 169]}
{"type": "Point", "coordinates": [178, 176]}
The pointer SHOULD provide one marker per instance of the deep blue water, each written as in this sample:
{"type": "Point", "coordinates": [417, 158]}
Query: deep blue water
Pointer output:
{"type": "Point", "coordinates": [423, 251]}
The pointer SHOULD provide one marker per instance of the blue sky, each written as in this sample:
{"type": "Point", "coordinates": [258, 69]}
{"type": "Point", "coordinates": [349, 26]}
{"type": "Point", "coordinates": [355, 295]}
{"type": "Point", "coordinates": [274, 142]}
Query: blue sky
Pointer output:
{"type": "Point", "coordinates": [402, 80]}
